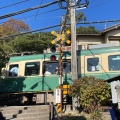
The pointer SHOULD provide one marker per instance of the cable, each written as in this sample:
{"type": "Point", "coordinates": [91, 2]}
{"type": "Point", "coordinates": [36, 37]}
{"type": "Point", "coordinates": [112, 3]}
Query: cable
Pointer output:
{"type": "Point", "coordinates": [100, 4]}
{"type": "Point", "coordinates": [95, 22]}
{"type": "Point", "coordinates": [58, 25]}
{"type": "Point", "coordinates": [14, 4]}
{"type": "Point", "coordinates": [38, 9]}
{"type": "Point", "coordinates": [18, 8]}
{"type": "Point", "coordinates": [1, 38]}
{"type": "Point", "coordinates": [61, 5]}
{"type": "Point", "coordinates": [26, 10]}
{"type": "Point", "coordinates": [34, 15]}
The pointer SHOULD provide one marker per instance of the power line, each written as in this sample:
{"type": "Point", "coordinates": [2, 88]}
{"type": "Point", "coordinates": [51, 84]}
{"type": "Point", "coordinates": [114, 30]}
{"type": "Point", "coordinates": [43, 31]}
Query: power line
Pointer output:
{"type": "Point", "coordinates": [58, 25]}
{"type": "Point", "coordinates": [96, 22]}
{"type": "Point", "coordinates": [100, 4]}
{"type": "Point", "coordinates": [38, 9]}
{"type": "Point", "coordinates": [18, 8]}
{"type": "Point", "coordinates": [1, 38]}
{"type": "Point", "coordinates": [13, 4]}
{"type": "Point", "coordinates": [26, 10]}
{"type": "Point", "coordinates": [34, 15]}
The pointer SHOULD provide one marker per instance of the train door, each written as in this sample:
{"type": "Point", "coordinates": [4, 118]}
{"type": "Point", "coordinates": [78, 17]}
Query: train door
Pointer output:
{"type": "Point", "coordinates": [93, 66]}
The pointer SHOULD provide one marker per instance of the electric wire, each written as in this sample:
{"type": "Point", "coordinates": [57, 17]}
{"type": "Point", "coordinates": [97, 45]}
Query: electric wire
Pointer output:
{"type": "Point", "coordinates": [18, 9]}
{"type": "Point", "coordinates": [14, 35]}
{"type": "Point", "coordinates": [26, 10]}
{"type": "Point", "coordinates": [58, 25]}
{"type": "Point", "coordinates": [13, 4]}
{"type": "Point", "coordinates": [38, 9]}
{"type": "Point", "coordinates": [33, 15]}
{"type": "Point", "coordinates": [96, 22]}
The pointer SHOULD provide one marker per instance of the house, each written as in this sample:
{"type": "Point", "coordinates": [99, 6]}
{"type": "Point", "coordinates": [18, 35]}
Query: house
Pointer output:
{"type": "Point", "coordinates": [108, 35]}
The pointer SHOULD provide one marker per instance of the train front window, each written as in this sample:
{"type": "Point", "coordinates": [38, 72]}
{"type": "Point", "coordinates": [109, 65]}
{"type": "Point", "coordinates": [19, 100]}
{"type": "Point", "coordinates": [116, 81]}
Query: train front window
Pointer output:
{"type": "Point", "coordinates": [13, 70]}
{"type": "Point", "coordinates": [32, 68]}
{"type": "Point", "coordinates": [93, 64]}
{"type": "Point", "coordinates": [114, 62]}
{"type": "Point", "coordinates": [53, 67]}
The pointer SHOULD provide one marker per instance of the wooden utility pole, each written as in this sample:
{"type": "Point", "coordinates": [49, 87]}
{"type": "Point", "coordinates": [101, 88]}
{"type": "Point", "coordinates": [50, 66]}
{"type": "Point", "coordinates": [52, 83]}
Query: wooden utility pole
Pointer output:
{"type": "Point", "coordinates": [73, 41]}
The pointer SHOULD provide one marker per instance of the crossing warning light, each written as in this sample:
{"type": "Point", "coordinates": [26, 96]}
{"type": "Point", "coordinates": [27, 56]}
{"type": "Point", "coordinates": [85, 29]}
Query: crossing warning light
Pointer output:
{"type": "Point", "coordinates": [53, 49]}
{"type": "Point", "coordinates": [52, 57]}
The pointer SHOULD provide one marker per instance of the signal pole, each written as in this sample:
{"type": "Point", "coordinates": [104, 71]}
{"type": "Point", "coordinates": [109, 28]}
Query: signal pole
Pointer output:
{"type": "Point", "coordinates": [73, 41]}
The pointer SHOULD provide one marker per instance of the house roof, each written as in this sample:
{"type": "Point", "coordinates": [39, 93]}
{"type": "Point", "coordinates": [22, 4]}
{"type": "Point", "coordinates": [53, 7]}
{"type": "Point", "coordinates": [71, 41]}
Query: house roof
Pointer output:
{"type": "Point", "coordinates": [117, 26]}
{"type": "Point", "coordinates": [85, 34]}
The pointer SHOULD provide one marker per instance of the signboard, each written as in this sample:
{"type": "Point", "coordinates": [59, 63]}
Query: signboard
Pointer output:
{"type": "Point", "coordinates": [58, 93]}
{"type": "Point", "coordinates": [66, 89]}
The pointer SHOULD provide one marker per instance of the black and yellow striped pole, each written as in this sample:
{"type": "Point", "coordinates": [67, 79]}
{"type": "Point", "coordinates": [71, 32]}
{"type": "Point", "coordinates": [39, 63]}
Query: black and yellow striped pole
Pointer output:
{"type": "Point", "coordinates": [58, 107]}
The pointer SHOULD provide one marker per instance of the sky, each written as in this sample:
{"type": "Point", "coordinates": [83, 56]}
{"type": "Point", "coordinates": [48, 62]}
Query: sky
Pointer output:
{"type": "Point", "coordinates": [97, 10]}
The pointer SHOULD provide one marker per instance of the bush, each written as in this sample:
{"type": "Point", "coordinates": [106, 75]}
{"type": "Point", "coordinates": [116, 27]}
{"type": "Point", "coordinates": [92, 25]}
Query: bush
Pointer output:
{"type": "Point", "coordinates": [92, 93]}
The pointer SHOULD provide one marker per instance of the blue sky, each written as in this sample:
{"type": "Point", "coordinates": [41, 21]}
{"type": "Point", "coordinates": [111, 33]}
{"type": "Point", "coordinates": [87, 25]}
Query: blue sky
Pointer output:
{"type": "Point", "coordinates": [97, 10]}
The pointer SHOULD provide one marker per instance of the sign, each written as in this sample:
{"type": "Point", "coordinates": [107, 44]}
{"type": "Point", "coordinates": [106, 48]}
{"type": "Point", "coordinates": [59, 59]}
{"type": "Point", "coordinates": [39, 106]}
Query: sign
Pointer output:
{"type": "Point", "coordinates": [66, 89]}
{"type": "Point", "coordinates": [63, 37]}
{"type": "Point", "coordinates": [58, 93]}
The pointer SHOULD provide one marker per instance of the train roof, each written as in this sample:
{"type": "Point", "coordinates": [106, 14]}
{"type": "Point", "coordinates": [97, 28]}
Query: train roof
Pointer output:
{"type": "Point", "coordinates": [102, 50]}
{"type": "Point", "coordinates": [66, 54]}
{"type": "Point", "coordinates": [36, 56]}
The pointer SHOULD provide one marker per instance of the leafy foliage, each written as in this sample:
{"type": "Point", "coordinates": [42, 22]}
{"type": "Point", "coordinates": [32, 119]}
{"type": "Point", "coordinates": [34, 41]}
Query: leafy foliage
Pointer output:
{"type": "Point", "coordinates": [91, 91]}
{"type": "Point", "coordinates": [87, 30]}
{"type": "Point", "coordinates": [12, 26]}
{"type": "Point", "coordinates": [31, 42]}
{"type": "Point", "coordinates": [4, 58]}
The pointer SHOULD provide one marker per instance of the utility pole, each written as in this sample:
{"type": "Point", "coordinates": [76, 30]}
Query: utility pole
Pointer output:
{"type": "Point", "coordinates": [73, 41]}
{"type": "Point", "coordinates": [73, 47]}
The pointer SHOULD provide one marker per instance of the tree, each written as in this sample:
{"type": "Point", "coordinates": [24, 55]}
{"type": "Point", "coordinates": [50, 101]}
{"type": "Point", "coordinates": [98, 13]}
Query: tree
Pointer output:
{"type": "Point", "coordinates": [12, 26]}
{"type": "Point", "coordinates": [31, 42]}
{"type": "Point", "coordinates": [92, 93]}
{"type": "Point", "coordinates": [4, 58]}
{"type": "Point", "coordinates": [87, 30]}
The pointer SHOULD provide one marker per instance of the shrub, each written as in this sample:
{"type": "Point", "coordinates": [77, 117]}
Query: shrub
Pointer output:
{"type": "Point", "coordinates": [91, 91]}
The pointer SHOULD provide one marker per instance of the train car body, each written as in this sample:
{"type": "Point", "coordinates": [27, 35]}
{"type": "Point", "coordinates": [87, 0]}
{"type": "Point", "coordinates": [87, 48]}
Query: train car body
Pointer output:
{"type": "Point", "coordinates": [25, 78]}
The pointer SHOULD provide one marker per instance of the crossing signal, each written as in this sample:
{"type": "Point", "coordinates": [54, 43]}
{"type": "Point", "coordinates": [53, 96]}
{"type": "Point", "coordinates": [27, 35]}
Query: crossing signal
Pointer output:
{"type": "Point", "coordinates": [52, 57]}
{"type": "Point", "coordinates": [53, 49]}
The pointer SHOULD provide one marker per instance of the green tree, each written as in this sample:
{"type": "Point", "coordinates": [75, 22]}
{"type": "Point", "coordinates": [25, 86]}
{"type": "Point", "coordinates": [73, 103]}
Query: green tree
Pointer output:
{"type": "Point", "coordinates": [87, 30]}
{"type": "Point", "coordinates": [31, 42]}
{"type": "Point", "coordinates": [4, 58]}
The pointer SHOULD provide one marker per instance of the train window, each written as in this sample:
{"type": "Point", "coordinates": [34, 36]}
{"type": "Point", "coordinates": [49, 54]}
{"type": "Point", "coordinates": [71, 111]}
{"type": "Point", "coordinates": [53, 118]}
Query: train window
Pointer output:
{"type": "Point", "coordinates": [13, 70]}
{"type": "Point", "coordinates": [114, 62]}
{"type": "Point", "coordinates": [53, 67]}
{"type": "Point", "coordinates": [93, 64]}
{"type": "Point", "coordinates": [66, 67]}
{"type": "Point", "coordinates": [32, 68]}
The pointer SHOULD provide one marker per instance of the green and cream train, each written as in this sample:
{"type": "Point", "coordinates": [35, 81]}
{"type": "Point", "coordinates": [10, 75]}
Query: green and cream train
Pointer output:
{"type": "Point", "coordinates": [33, 78]}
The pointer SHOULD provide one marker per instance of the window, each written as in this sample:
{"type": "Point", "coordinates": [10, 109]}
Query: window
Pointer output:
{"type": "Point", "coordinates": [114, 62]}
{"type": "Point", "coordinates": [66, 67]}
{"type": "Point", "coordinates": [32, 68]}
{"type": "Point", "coordinates": [13, 70]}
{"type": "Point", "coordinates": [93, 64]}
{"type": "Point", "coordinates": [53, 67]}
